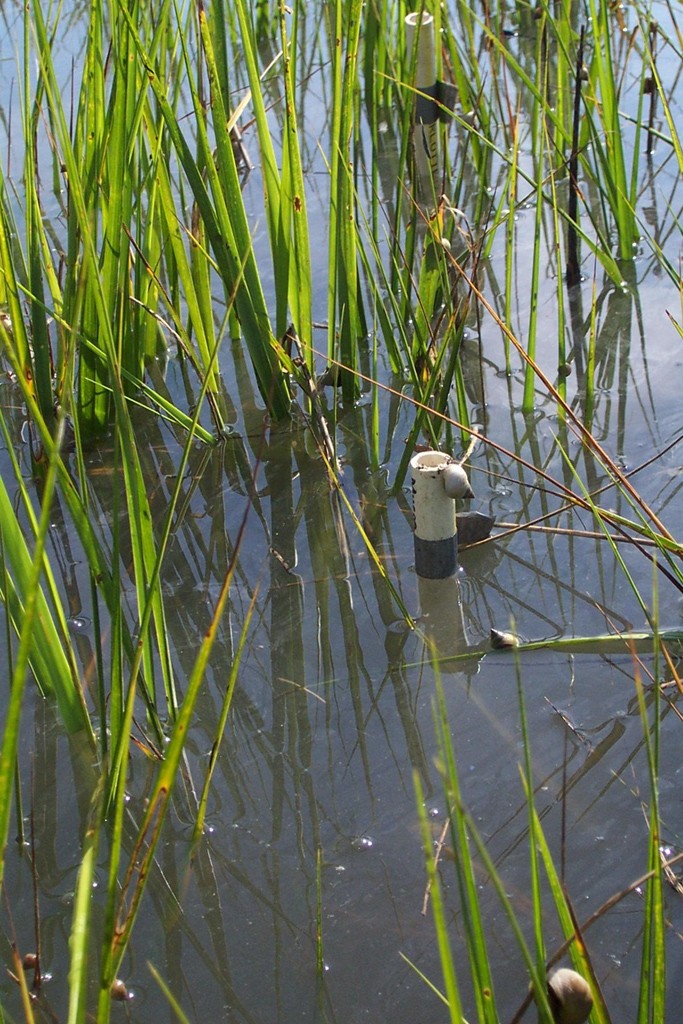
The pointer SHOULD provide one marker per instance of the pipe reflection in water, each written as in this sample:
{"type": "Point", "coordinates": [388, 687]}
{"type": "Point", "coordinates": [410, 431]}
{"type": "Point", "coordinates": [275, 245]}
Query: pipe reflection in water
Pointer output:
{"type": "Point", "coordinates": [441, 614]}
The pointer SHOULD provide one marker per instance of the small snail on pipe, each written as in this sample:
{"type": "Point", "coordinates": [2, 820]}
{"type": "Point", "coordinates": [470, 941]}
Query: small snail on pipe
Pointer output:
{"type": "Point", "coordinates": [570, 997]}
{"type": "Point", "coordinates": [455, 481]}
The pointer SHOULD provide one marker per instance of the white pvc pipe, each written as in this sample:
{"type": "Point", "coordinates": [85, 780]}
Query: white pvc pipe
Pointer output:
{"type": "Point", "coordinates": [426, 111]}
{"type": "Point", "coordinates": [436, 544]}
{"type": "Point", "coordinates": [434, 510]}
{"type": "Point", "coordinates": [425, 70]}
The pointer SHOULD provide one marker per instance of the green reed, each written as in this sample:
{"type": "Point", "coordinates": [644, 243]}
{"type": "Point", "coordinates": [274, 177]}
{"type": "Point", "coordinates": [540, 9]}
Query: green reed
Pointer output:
{"type": "Point", "coordinates": [136, 265]}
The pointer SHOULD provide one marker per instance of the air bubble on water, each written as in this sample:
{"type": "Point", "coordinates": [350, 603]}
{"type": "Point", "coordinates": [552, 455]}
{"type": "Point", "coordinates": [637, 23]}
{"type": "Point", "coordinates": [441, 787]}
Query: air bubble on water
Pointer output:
{"type": "Point", "coordinates": [78, 623]}
{"type": "Point", "coordinates": [363, 843]}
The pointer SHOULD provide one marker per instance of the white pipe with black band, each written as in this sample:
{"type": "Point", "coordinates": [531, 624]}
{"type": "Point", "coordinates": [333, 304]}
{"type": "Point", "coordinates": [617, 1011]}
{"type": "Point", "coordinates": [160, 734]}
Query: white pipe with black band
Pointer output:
{"type": "Point", "coordinates": [426, 86]}
{"type": "Point", "coordinates": [435, 534]}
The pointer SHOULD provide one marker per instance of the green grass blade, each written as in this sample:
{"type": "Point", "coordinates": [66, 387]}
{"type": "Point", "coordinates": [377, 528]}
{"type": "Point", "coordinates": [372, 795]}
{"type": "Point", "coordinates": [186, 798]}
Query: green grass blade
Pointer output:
{"type": "Point", "coordinates": [452, 992]}
{"type": "Point", "coordinates": [50, 656]}
{"type": "Point", "coordinates": [293, 205]}
{"type": "Point", "coordinates": [80, 938]}
{"type": "Point", "coordinates": [345, 325]}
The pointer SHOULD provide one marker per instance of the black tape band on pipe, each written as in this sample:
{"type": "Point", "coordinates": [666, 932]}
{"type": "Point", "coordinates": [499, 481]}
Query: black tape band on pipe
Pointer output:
{"type": "Point", "coordinates": [426, 104]}
{"type": "Point", "coordinates": [436, 559]}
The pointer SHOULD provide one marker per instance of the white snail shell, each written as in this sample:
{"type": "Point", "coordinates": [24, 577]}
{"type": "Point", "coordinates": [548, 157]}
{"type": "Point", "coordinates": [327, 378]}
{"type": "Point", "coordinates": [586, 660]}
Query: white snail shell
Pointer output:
{"type": "Point", "coordinates": [570, 997]}
{"type": "Point", "coordinates": [501, 640]}
{"type": "Point", "coordinates": [455, 481]}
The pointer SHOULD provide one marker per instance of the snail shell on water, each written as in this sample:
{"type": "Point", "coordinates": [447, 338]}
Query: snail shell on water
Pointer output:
{"type": "Point", "coordinates": [570, 997]}
{"type": "Point", "coordinates": [455, 481]}
{"type": "Point", "coordinates": [118, 990]}
{"type": "Point", "coordinates": [501, 640]}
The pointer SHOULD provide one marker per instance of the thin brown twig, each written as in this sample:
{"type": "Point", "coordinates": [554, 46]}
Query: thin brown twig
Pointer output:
{"type": "Point", "coordinates": [440, 843]}
{"type": "Point", "coordinates": [566, 531]}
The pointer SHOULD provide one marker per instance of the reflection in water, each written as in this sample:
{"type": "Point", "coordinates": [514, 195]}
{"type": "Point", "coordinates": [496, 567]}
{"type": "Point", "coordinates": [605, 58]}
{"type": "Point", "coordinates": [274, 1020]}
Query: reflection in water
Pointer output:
{"type": "Point", "coordinates": [331, 717]}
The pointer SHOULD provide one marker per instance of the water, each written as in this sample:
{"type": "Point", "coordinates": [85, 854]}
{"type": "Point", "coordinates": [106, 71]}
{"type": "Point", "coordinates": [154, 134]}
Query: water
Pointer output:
{"type": "Point", "coordinates": [331, 717]}
{"type": "Point", "coordinates": [333, 713]}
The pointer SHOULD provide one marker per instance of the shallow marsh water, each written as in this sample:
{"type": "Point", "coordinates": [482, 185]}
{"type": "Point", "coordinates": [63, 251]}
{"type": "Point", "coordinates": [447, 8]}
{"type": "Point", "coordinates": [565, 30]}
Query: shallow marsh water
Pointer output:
{"type": "Point", "coordinates": [331, 717]}
{"type": "Point", "coordinates": [333, 712]}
